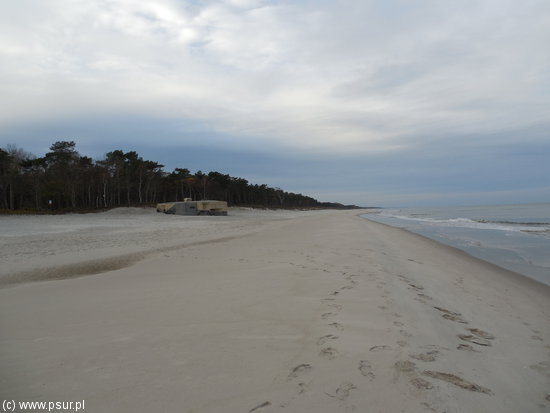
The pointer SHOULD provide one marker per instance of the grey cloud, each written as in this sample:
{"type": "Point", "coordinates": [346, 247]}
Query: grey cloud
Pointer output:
{"type": "Point", "coordinates": [382, 80]}
{"type": "Point", "coordinates": [311, 66]}
{"type": "Point", "coordinates": [380, 90]}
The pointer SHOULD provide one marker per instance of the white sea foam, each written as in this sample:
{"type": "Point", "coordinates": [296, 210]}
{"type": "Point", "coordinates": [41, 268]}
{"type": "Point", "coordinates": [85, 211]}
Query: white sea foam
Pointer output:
{"type": "Point", "coordinates": [462, 222]}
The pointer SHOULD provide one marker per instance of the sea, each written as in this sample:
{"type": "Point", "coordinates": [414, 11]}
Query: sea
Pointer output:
{"type": "Point", "coordinates": [515, 237]}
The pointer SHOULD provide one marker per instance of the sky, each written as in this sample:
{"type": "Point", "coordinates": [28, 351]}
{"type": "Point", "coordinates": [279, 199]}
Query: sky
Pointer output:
{"type": "Point", "coordinates": [367, 102]}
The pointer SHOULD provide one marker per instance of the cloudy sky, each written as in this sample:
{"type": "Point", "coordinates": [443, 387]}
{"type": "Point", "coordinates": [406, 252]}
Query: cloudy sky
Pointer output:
{"type": "Point", "coordinates": [373, 102]}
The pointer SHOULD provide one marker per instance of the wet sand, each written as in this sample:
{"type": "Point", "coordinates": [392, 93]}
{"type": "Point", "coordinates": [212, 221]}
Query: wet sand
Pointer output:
{"type": "Point", "coordinates": [265, 312]}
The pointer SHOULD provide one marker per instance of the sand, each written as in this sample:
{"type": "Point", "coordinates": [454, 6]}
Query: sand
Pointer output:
{"type": "Point", "coordinates": [319, 311]}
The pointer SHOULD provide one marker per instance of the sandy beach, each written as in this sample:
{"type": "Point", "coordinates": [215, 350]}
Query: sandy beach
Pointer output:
{"type": "Point", "coordinates": [263, 311]}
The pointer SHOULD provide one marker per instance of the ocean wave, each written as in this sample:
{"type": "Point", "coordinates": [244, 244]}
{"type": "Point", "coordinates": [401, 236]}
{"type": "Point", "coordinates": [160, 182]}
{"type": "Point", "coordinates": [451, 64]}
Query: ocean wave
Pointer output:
{"type": "Point", "coordinates": [535, 224]}
{"type": "Point", "coordinates": [542, 231]}
{"type": "Point", "coordinates": [461, 222]}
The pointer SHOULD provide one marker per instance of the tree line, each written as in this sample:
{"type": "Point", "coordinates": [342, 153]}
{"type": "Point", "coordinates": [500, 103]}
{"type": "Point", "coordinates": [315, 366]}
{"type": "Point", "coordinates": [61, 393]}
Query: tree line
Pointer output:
{"type": "Point", "coordinates": [64, 180]}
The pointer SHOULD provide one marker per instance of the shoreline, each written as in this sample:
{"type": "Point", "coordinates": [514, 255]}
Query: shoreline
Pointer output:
{"type": "Point", "coordinates": [482, 261]}
{"type": "Point", "coordinates": [312, 311]}
{"type": "Point", "coordinates": [508, 248]}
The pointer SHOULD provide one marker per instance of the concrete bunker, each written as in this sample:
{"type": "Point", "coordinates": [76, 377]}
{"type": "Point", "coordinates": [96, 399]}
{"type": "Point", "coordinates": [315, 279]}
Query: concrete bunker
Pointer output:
{"type": "Point", "coordinates": [188, 207]}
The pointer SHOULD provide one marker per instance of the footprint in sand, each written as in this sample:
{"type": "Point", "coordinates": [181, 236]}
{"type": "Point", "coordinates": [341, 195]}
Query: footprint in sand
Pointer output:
{"type": "Point", "coordinates": [324, 316]}
{"type": "Point", "coordinates": [444, 310]}
{"type": "Point", "coordinates": [434, 347]}
{"type": "Point", "coordinates": [335, 306]}
{"type": "Point", "coordinates": [416, 287]}
{"type": "Point", "coordinates": [398, 324]}
{"type": "Point", "coordinates": [343, 391]}
{"type": "Point", "coordinates": [260, 406]}
{"type": "Point", "coordinates": [329, 353]}
{"type": "Point", "coordinates": [366, 369]}
{"type": "Point", "coordinates": [337, 326]}
{"type": "Point", "coordinates": [302, 388]}
{"type": "Point", "coordinates": [451, 315]}
{"type": "Point", "coordinates": [429, 407]}
{"type": "Point", "coordinates": [543, 368]}
{"type": "Point", "coordinates": [457, 381]}
{"type": "Point", "coordinates": [478, 337]}
{"type": "Point", "coordinates": [324, 339]}
{"type": "Point", "coordinates": [298, 370]}
{"type": "Point", "coordinates": [428, 356]}
{"type": "Point", "coordinates": [481, 333]}
{"type": "Point", "coordinates": [476, 340]}
{"type": "Point", "coordinates": [379, 348]}
{"type": "Point", "coordinates": [421, 384]}
{"type": "Point", "coordinates": [424, 296]}
{"type": "Point", "coordinates": [405, 366]}
{"type": "Point", "coordinates": [465, 347]}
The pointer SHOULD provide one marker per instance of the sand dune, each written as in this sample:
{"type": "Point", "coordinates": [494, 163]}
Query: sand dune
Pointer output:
{"type": "Point", "coordinates": [265, 312]}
